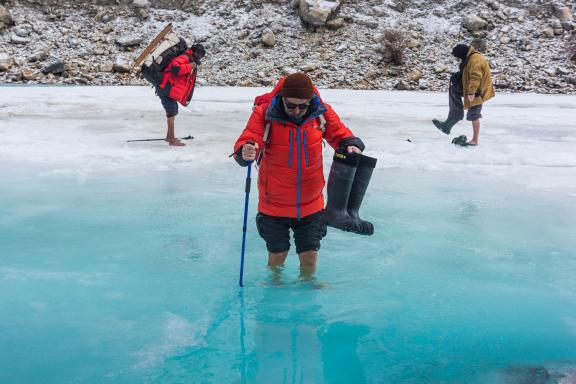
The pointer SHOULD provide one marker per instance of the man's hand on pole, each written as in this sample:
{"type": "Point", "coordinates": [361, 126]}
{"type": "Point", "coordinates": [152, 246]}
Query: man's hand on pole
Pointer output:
{"type": "Point", "coordinates": [249, 151]}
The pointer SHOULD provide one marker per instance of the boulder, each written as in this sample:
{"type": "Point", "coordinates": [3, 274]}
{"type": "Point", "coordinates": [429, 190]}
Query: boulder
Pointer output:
{"type": "Point", "coordinates": [54, 67]}
{"type": "Point", "coordinates": [142, 13]}
{"type": "Point", "coordinates": [494, 5]}
{"type": "Point", "coordinates": [140, 4]}
{"type": "Point", "coordinates": [21, 32]}
{"type": "Point", "coordinates": [39, 55]}
{"type": "Point", "coordinates": [316, 12]}
{"type": "Point", "coordinates": [6, 62]}
{"type": "Point", "coordinates": [108, 67]}
{"type": "Point", "coordinates": [268, 38]}
{"type": "Point", "coordinates": [440, 68]}
{"type": "Point", "coordinates": [474, 23]}
{"type": "Point", "coordinates": [309, 67]}
{"type": "Point", "coordinates": [18, 40]}
{"type": "Point", "coordinates": [129, 41]}
{"type": "Point", "coordinates": [335, 23]}
{"type": "Point", "coordinates": [121, 65]}
{"type": "Point", "coordinates": [415, 75]}
{"type": "Point", "coordinates": [5, 16]}
{"type": "Point", "coordinates": [548, 32]}
{"type": "Point", "coordinates": [402, 86]}
{"type": "Point", "coordinates": [29, 74]}
{"type": "Point", "coordinates": [564, 14]}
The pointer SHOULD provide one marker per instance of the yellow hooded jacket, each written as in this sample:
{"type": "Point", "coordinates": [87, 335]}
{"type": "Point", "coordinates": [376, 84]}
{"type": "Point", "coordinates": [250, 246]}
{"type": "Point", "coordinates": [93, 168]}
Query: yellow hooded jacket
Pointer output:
{"type": "Point", "coordinates": [476, 79]}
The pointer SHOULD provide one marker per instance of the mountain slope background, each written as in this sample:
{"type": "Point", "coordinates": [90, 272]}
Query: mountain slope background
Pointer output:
{"type": "Point", "coordinates": [253, 43]}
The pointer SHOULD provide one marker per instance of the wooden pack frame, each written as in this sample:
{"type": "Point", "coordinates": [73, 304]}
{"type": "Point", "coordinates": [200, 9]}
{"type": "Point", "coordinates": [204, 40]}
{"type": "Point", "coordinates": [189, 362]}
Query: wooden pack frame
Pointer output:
{"type": "Point", "coordinates": [157, 40]}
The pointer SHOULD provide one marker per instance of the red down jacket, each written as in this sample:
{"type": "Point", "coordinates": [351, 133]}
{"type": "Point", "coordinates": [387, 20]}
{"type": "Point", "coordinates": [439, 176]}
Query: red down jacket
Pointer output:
{"type": "Point", "coordinates": [291, 177]}
{"type": "Point", "coordinates": [179, 78]}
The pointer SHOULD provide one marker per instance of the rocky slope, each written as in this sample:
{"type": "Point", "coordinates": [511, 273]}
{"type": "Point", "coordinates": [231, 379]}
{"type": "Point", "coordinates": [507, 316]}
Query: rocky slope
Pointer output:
{"type": "Point", "coordinates": [254, 42]}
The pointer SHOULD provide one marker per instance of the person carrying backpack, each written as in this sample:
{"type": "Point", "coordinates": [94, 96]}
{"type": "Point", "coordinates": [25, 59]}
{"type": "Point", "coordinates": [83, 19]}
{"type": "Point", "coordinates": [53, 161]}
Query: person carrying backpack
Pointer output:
{"type": "Point", "coordinates": [177, 86]}
{"type": "Point", "coordinates": [285, 136]}
{"type": "Point", "coordinates": [473, 82]}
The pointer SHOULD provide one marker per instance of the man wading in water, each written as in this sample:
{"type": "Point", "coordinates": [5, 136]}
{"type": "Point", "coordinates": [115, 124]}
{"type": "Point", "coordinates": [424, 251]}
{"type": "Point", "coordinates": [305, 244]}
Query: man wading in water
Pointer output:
{"type": "Point", "coordinates": [290, 177]}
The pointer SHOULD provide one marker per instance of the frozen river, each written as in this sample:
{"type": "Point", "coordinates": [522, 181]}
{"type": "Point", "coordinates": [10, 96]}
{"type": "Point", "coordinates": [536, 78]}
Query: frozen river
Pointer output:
{"type": "Point", "coordinates": [119, 261]}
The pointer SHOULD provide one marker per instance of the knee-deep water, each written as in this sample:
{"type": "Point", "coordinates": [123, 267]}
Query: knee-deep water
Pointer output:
{"type": "Point", "coordinates": [124, 279]}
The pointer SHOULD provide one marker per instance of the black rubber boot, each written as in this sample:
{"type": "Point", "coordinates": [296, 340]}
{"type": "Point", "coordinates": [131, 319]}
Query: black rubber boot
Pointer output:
{"type": "Point", "coordinates": [359, 187]}
{"type": "Point", "coordinates": [340, 181]}
{"type": "Point", "coordinates": [445, 126]}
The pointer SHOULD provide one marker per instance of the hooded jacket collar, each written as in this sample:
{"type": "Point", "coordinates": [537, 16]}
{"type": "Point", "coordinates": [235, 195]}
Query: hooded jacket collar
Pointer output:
{"type": "Point", "coordinates": [275, 111]}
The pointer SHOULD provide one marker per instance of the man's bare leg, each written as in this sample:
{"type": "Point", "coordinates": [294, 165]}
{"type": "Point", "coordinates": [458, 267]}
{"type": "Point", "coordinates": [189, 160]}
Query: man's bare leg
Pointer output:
{"type": "Point", "coordinates": [276, 265]}
{"type": "Point", "coordinates": [170, 138]}
{"type": "Point", "coordinates": [307, 264]}
{"type": "Point", "coordinates": [476, 128]}
{"type": "Point", "coordinates": [276, 259]}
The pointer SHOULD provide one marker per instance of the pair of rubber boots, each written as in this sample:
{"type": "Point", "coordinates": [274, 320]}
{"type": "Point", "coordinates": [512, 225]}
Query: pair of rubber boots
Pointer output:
{"type": "Point", "coordinates": [347, 184]}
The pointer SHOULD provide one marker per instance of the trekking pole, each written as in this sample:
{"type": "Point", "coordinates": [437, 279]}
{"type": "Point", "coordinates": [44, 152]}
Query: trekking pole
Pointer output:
{"type": "Point", "coordinates": [247, 189]}
{"type": "Point", "coordinates": [180, 138]}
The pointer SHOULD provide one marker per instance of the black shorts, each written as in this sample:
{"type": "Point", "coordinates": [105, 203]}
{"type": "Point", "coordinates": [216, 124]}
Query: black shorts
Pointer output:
{"type": "Point", "coordinates": [276, 232]}
{"type": "Point", "coordinates": [474, 113]}
{"type": "Point", "coordinates": [170, 105]}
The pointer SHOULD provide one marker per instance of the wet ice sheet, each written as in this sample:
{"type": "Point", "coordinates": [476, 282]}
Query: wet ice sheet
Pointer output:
{"type": "Point", "coordinates": [526, 138]}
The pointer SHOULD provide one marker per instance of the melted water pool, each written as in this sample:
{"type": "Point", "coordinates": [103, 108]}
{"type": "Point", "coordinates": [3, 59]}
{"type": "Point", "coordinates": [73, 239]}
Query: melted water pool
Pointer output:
{"type": "Point", "coordinates": [132, 278]}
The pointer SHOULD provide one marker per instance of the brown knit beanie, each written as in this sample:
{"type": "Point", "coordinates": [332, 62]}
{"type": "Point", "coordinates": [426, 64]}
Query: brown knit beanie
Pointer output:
{"type": "Point", "coordinates": [298, 86]}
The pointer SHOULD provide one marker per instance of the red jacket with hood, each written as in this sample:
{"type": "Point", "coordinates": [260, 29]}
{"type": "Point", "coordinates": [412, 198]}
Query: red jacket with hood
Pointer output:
{"type": "Point", "coordinates": [291, 176]}
{"type": "Point", "coordinates": [179, 78]}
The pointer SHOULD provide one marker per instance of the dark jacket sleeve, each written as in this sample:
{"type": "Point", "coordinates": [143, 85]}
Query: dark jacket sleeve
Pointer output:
{"type": "Point", "coordinates": [352, 141]}
{"type": "Point", "coordinates": [239, 159]}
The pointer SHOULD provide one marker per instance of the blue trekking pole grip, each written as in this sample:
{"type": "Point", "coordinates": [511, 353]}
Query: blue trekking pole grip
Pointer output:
{"type": "Point", "coordinates": [247, 189]}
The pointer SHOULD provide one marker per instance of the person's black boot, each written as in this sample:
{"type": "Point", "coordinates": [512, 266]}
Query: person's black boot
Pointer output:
{"type": "Point", "coordinates": [445, 126]}
{"type": "Point", "coordinates": [340, 181]}
{"type": "Point", "coordinates": [361, 181]}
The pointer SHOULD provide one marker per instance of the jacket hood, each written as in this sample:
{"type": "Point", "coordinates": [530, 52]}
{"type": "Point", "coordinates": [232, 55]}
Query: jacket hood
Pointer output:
{"type": "Point", "coordinates": [276, 112]}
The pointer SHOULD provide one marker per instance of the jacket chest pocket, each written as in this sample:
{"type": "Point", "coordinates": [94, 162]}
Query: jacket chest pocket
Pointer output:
{"type": "Point", "coordinates": [312, 147]}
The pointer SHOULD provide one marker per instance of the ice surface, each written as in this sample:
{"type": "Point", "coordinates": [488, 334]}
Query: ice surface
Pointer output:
{"type": "Point", "coordinates": [528, 139]}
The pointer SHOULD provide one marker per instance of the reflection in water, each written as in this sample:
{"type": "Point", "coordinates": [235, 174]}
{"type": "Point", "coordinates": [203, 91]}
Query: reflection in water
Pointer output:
{"type": "Point", "coordinates": [297, 344]}
{"type": "Point", "coordinates": [243, 357]}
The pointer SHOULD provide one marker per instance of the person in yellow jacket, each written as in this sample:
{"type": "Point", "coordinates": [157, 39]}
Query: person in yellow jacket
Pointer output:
{"type": "Point", "coordinates": [473, 83]}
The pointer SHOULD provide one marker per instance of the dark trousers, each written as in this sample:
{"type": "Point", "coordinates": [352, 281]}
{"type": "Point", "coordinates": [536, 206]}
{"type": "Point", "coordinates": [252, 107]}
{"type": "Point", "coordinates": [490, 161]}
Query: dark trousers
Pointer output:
{"type": "Point", "coordinates": [456, 105]}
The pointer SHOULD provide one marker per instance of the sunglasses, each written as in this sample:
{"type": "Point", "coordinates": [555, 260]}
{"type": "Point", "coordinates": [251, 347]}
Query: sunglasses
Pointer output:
{"type": "Point", "coordinates": [294, 106]}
